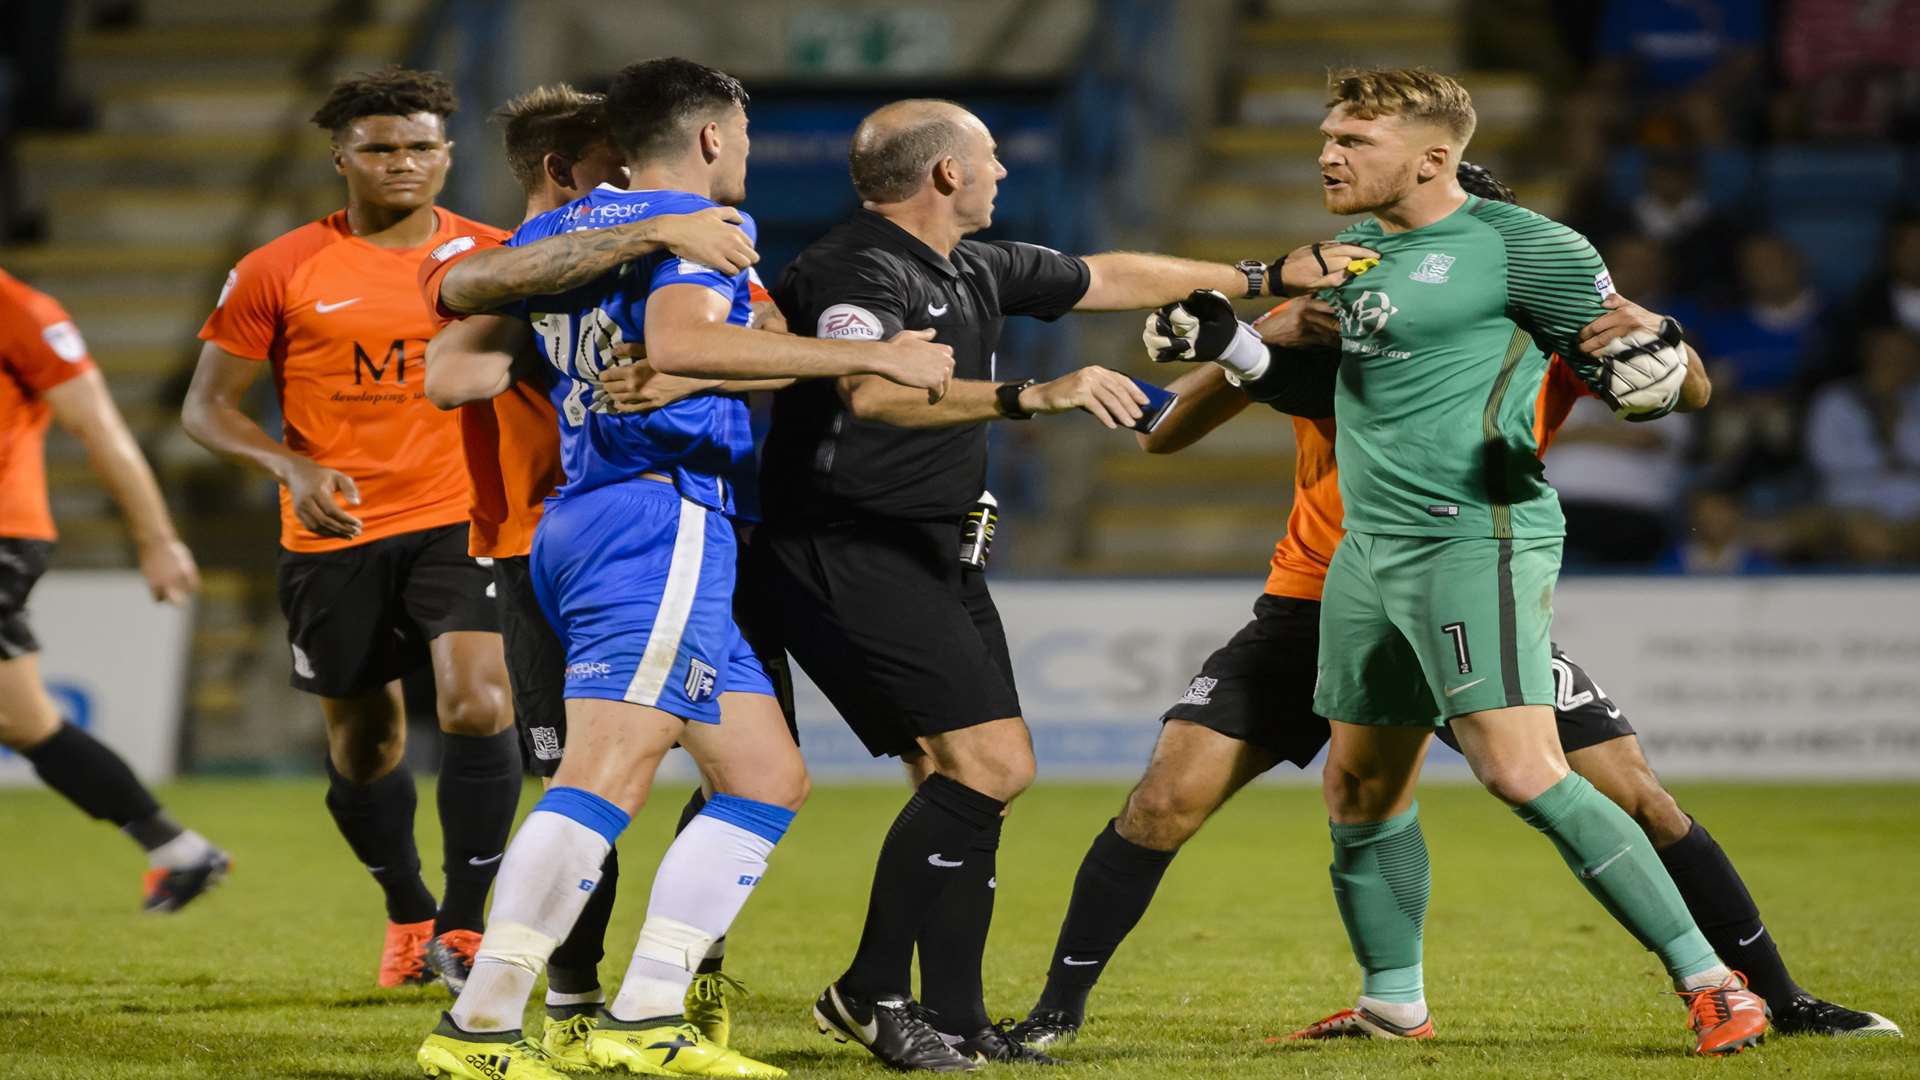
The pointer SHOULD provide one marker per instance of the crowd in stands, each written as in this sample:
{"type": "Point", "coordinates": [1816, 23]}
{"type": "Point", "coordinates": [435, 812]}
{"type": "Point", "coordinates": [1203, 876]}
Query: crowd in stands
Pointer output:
{"type": "Point", "coordinates": [1751, 168]}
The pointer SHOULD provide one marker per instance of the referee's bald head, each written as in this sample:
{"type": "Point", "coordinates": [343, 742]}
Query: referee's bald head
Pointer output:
{"type": "Point", "coordinates": [896, 147]}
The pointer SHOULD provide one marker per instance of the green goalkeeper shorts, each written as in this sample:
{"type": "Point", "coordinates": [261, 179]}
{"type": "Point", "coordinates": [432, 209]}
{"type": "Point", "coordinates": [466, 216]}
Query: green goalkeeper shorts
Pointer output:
{"type": "Point", "coordinates": [1417, 630]}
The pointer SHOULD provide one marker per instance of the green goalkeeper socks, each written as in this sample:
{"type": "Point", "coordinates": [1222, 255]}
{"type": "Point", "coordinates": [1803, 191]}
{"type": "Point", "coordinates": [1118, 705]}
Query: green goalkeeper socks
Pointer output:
{"type": "Point", "coordinates": [1381, 882]}
{"type": "Point", "coordinates": [1617, 864]}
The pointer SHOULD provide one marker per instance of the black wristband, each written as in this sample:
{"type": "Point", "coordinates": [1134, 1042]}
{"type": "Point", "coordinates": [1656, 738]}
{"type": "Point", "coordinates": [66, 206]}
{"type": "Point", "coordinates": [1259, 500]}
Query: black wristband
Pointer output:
{"type": "Point", "coordinates": [1006, 398]}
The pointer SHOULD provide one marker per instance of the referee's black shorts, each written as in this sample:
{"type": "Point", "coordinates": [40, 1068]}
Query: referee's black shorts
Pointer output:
{"type": "Point", "coordinates": [902, 639]}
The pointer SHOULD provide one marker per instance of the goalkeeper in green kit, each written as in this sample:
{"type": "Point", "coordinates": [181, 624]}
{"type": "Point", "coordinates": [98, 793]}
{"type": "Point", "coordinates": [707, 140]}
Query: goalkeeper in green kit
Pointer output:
{"type": "Point", "coordinates": [1439, 599]}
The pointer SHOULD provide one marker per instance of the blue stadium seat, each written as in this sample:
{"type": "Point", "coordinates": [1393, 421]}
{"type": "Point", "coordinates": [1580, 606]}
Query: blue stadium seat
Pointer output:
{"type": "Point", "coordinates": [1810, 232]}
{"type": "Point", "coordinates": [1796, 180]}
{"type": "Point", "coordinates": [1727, 174]}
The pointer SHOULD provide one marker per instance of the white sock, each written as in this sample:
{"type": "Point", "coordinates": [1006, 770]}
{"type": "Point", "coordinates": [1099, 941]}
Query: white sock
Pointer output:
{"type": "Point", "coordinates": [549, 870]}
{"type": "Point", "coordinates": [179, 853]}
{"type": "Point", "coordinates": [1713, 976]}
{"type": "Point", "coordinates": [590, 997]}
{"type": "Point", "coordinates": [1404, 1014]}
{"type": "Point", "coordinates": [703, 881]}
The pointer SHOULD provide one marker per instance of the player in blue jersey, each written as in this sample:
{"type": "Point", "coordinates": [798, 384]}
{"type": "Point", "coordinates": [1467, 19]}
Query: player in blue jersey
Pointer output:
{"type": "Point", "coordinates": [634, 564]}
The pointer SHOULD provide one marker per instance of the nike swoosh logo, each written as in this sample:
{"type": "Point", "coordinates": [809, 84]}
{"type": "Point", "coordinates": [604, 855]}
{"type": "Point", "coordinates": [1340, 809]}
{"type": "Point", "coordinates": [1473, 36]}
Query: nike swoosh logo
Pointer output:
{"type": "Point", "coordinates": [323, 308]}
{"type": "Point", "coordinates": [1611, 859]}
{"type": "Point", "coordinates": [1754, 938]}
{"type": "Point", "coordinates": [936, 312]}
{"type": "Point", "coordinates": [869, 1031]}
{"type": "Point", "coordinates": [993, 883]}
{"type": "Point", "coordinates": [489, 861]}
{"type": "Point", "coordinates": [935, 860]}
{"type": "Point", "coordinates": [1071, 962]}
{"type": "Point", "coordinates": [1452, 690]}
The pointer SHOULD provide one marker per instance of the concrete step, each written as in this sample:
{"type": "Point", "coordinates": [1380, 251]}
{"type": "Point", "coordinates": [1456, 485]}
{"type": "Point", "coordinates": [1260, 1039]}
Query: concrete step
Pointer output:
{"type": "Point", "coordinates": [172, 14]}
{"type": "Point", "coordinates": [1499, 99]}
{"type": "Point", "coordinates": [139, 325]}
{"type": "Point", "coordinates": [242, 53]}
{"type": "Point", "coordinates": [1182, 539]}
{"type": "Point", "coordinates": [1294, 44]}
{"type": "Point", "coordinates": [164, 217]}
{"type": "Point", "coordinates": [107, 160]}
{"type": "Point", "coordinates": [193, 106]}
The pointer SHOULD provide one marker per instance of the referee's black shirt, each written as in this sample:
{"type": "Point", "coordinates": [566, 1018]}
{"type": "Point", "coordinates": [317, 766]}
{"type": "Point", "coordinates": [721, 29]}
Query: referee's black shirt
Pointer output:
{"type": "Point", "coordinates": [869, 279]}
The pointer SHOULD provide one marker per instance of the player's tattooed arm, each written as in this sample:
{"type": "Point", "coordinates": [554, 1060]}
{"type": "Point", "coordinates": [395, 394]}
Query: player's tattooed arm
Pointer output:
{"type": "Point", "coordinates": [85, 409]}
{"type": "Point", "coordinates": [1624, 316]}
{"type": "Point", "coordinates": [473, 359]}
{"type": "Point", "coordinates": [213, 417]}
{"type": "Point", "coordinates": [499, 276]}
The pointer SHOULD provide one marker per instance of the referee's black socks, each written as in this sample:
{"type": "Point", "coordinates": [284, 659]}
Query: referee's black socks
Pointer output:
{"type": "Point", "coordinates": [377, 821]}
{"type": "Point", "coordinates": [479, 791]}
{"type": "Point", "coordinates": [930, 844]}
{"type": "Point", "coordinates": [1116, 882]}
{"type": "Point", "coordinates": [1725, 912]}
{"type": "Point", "coordinates": [953, 943]}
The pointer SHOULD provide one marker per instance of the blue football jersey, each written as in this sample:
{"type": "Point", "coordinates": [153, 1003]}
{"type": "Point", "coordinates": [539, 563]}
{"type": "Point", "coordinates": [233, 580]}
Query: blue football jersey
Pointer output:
{"type": "Point", "coordinates": [705, 441]}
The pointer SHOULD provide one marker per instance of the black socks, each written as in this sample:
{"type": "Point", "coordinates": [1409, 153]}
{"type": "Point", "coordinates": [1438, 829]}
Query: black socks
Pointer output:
{"type": "Point", "coordinates": [1116, 882]}
{"type": "Point", "coordinates": [574, 967]}
{"type": "Point", "coordinates": [478, 792]}
{"type": "Point", "coordinates": [932, 838]}
{"type": "Point", "coordinates": [953, 942]}
{"type": "Point", "coordinates": [96, 780]}
{"type": "Point", "coordinates": [1725, 912]}
{"type": "Point", "coordinates": [377, 821]}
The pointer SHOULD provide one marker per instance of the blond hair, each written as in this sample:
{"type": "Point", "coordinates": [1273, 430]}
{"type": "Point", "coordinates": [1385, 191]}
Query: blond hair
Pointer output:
{"type": "Point", "coordinates": [1412, 93]}
{"type": "Point", "coordinates": [552, 119]}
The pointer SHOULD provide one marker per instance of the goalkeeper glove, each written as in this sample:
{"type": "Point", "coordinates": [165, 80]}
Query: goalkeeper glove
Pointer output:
{"type": "Point", "coordinates": [1641, 373]}
{"type": "Point", "coordinates": [1203, 327]}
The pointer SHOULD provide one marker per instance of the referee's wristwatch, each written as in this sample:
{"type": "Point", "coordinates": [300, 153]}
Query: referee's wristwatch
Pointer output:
{"type": "Point", "coordinates": [1006, 398]}
{"type": "Point", "coordinates": [1256, 272]}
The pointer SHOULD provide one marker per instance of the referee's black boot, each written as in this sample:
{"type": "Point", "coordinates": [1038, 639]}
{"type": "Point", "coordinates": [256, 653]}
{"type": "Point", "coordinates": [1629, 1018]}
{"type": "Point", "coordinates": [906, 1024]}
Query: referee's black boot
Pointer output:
{"type": "Point", "coordinates": [896, 1029]}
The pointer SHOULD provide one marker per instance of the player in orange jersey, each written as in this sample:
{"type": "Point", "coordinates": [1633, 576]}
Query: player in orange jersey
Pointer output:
{"type": "Point", "coordinates": [558, 147]}
{"type": "Point", "coordinates": [46, 374]}
{"type": "Point", "coordinates": [375, 579]}
{"type": "Point", "coordinates": [1250, 707]}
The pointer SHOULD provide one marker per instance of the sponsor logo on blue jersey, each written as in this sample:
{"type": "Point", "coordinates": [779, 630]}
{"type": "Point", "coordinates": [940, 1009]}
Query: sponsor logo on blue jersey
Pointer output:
{"type": "Point", "coordinates": [705, 441]}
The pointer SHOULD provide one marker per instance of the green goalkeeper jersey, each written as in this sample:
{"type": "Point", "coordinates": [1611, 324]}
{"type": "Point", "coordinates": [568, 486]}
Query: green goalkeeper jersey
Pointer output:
{"type": "Point", "coordinates": [1443, 349]}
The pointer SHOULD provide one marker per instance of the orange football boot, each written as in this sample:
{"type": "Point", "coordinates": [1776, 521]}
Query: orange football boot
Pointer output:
{"type": "Point", "coordinates": [1359, 1024]}
{"type": "Point", "coordinates": [403, 962]}
{"type": "Point", "coordinates": [1728, 1018]}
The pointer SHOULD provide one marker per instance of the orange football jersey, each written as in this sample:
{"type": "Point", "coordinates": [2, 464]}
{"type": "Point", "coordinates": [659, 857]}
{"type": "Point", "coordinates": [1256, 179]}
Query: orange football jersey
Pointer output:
{"type": "Point", "coordinates": [342, 323]}
{"type": "Point", "coordinates": [1301, 557]}
{"type": "Point", "coordinates": [39, 349]}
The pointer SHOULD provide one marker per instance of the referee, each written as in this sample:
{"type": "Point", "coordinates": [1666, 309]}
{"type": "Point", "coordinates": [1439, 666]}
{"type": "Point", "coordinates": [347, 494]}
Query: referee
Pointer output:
{"type": "Point", "coordinates": [868, 489]}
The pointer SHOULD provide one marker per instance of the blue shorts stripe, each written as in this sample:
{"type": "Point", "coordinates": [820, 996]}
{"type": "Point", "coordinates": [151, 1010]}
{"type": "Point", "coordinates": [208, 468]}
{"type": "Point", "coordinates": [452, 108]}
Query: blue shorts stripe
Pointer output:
{"type": "Point", "coordinates": [588, 809]}
{"type": "Point", "coordinates": [764, 820]}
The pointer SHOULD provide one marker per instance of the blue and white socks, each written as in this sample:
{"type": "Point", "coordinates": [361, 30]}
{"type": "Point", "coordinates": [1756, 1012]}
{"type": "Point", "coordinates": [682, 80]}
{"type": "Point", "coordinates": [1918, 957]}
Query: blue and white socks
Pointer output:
{"type": "Point", "coordinates": [703, 881]}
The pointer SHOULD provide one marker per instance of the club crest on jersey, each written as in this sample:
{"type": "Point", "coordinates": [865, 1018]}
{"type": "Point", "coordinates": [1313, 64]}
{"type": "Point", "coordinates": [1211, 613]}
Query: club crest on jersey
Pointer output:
{"type": "Point", "coordinates": [1200, 690]}
{"type": "Point", "coordinates": [1367, 315]}
{"type": "Point", "coordinates": [546, 743]}
{"type": "Point", "coordinates": [1433, 269]}
{"type": "Point", "coordinates": [843, 322]}
{"type": "Point", "coordinates": [701, 678]}
{"type": "Point", "coordinates": [451, 248]}
{"type": "Point", "coordinates": [65, 341]}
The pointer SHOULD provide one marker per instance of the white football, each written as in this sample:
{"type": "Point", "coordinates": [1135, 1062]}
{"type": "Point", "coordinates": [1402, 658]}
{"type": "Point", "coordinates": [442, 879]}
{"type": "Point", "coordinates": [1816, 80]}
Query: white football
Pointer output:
{"type": "Point", "coordinates": [1643, 374]}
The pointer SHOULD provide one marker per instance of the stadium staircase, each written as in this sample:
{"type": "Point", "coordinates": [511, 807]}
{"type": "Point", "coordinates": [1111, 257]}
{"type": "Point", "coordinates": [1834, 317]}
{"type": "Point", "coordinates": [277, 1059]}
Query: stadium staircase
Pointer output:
{"type": "Point", "coordinates": [1217, 507]}
{"type": "Point", "coordinates": [201, 151]}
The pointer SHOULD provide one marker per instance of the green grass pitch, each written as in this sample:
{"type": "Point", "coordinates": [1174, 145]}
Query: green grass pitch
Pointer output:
{"type": "Point", "coordinates": [272, 975]}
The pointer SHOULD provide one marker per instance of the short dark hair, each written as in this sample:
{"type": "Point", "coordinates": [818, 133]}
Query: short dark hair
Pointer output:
{"type": "Point", "coordinates": [391, 91]}
{"type": "Point", "coordinates": [1477, 180]}
{"type": "Point", "coordinates": [554, 119]}
{"type": "Point", "coordinates": [889, 166]}
{"type": "Point", "coordinates": [650, 104]}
